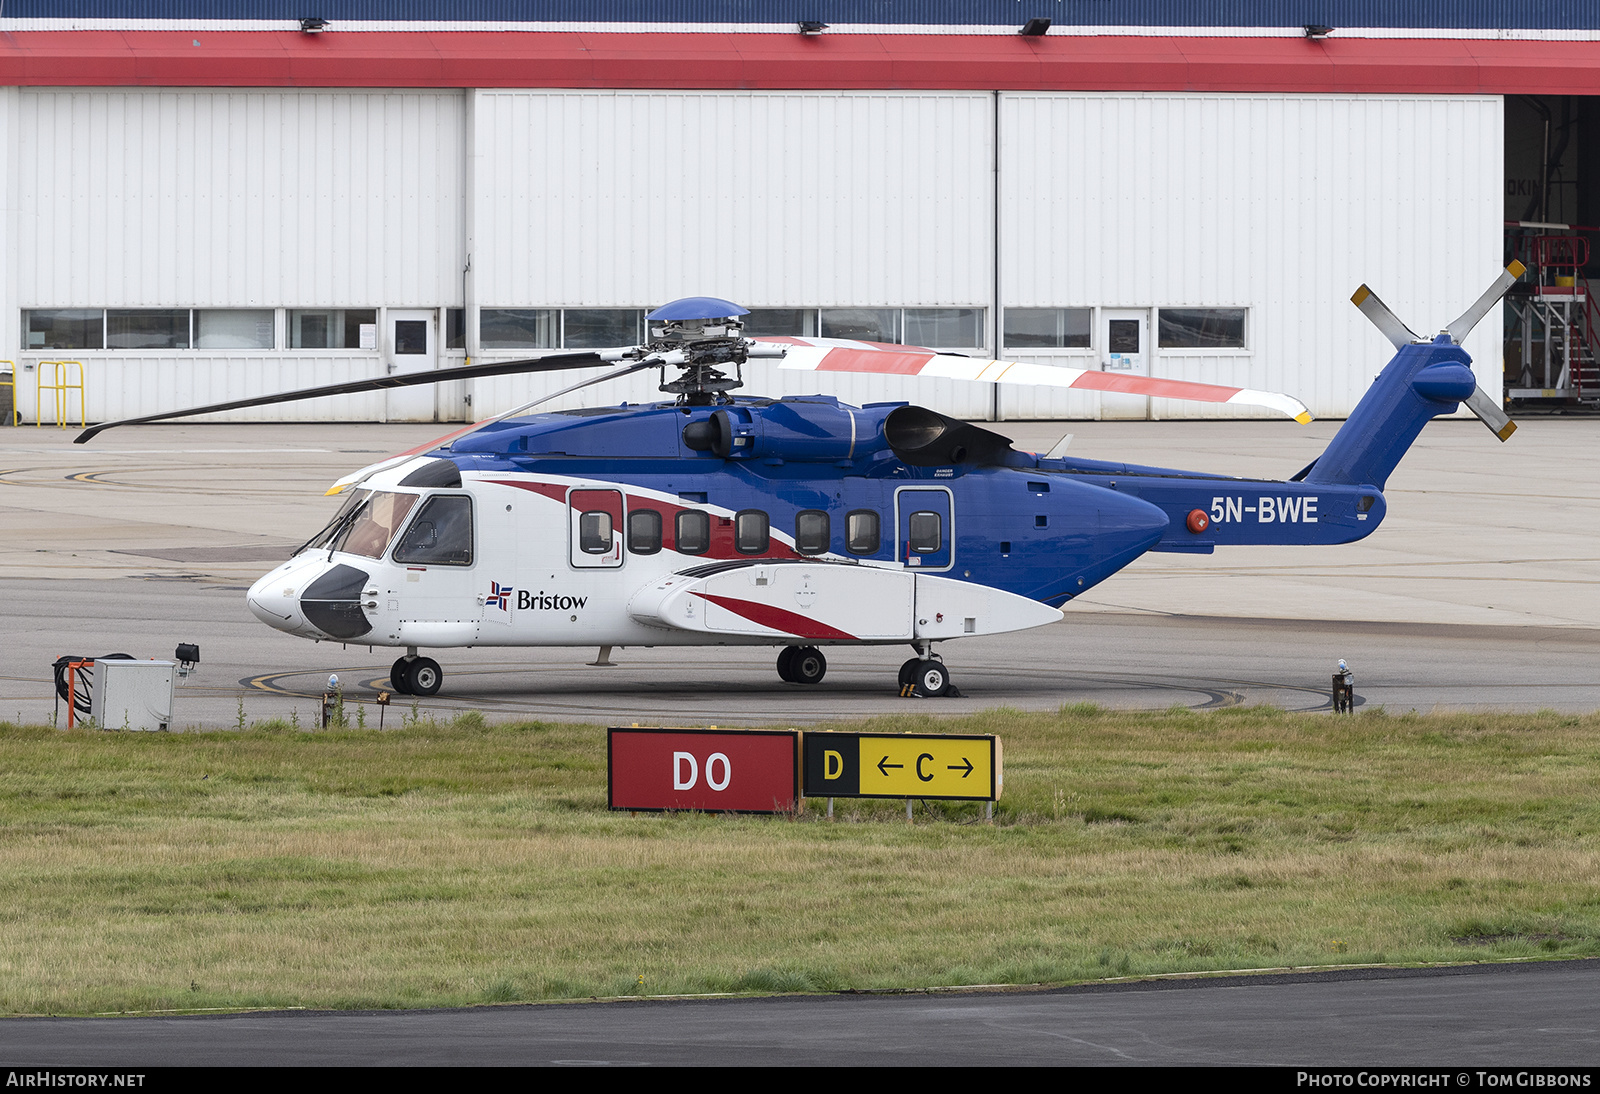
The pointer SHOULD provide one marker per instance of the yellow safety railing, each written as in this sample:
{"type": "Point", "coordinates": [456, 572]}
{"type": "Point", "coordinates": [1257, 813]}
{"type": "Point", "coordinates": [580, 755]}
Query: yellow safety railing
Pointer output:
{"type": "Point", "coordinates": [8, 378]}
{"type": "Point", "coordinates": [66, 377]}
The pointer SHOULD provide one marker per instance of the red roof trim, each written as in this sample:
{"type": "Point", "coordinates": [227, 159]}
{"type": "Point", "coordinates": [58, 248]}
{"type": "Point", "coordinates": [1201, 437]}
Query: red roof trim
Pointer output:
{"type": "Point", "coordinates": [792, 61]}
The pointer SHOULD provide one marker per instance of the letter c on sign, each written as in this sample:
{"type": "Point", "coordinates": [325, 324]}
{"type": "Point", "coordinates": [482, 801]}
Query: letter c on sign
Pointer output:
{"type": "Point", "coordinates": [920, 775]}
{"type": "Point", "coordinates": [711, 771]}
{"type": "Point", "coordinates": [678, 781]}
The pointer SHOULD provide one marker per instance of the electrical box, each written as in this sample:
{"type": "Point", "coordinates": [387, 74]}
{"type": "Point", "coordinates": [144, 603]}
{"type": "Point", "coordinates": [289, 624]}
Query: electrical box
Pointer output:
{"type": "Point", "coordinates": [132, 694]}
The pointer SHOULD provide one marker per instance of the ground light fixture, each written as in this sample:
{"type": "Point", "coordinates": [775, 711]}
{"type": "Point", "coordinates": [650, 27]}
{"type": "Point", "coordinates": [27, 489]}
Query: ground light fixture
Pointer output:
{"type": "Point", "coordinates": [313, 26]}
{"type": "Point", "coordinates": [1035, 28]}
{"type": "Point", "coordinates": [1317, 32]}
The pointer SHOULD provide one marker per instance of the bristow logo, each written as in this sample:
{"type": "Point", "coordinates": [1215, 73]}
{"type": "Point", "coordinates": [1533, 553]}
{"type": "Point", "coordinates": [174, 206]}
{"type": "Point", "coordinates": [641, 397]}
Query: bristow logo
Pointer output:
{"type": "Point", "coordinates": [547, 602]}
{"type": "Point", "coordinates": [500, 597]}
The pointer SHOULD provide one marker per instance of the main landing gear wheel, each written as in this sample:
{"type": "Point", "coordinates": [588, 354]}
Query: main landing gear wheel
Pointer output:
{"type": "Point", "coordinates": [397, 677]}
{"type": "Point", "coordinates": [807, 666]}
{"type": "Point", "coordinates": [786, 664]}
{"type": "Point", "coordinates": [908, 672]}
{"type": "Point", "coordinates": [423, 676]}
{"type": "Point", "coordinates": [932, 679]}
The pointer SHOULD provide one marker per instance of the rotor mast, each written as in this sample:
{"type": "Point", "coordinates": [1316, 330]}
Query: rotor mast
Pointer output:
{"type": "Point", "coordinates": [701, 335]}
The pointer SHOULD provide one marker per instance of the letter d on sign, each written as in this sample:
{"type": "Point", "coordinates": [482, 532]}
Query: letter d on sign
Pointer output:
{"type": "Point", "coordinates": [832, 765]}
{"type": "Point", "coordinates": [678, 781]}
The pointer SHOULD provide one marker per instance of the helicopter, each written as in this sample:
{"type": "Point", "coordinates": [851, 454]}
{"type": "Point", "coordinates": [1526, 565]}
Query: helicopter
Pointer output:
{"type": "Point", "coordinates": [719, 518]}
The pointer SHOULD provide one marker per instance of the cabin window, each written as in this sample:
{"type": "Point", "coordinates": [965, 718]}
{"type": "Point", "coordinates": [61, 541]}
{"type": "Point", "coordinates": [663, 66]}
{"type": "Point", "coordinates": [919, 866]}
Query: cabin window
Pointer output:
{"type": "Point", "coordinates": [811, 532]}
{"type": "Point", "coordinates": [441, 535]}
{"type": "Point", "coordinates": [862, 536]}
{"type": "Point", "coordinates": [644, 531]}
{"type": "Point", "coordinates": [751, 532]}
{"type": "Point", "coordinates": [692, 532]}
{"type": "Point", "coordinates": [926, 535]}
{"type": "Point", "coordinates": [594, 532]}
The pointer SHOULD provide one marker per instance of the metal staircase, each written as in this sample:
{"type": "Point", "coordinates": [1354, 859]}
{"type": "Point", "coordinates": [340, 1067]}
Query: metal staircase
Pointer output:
{"type": "Point", "coordinates": [1557, 325]}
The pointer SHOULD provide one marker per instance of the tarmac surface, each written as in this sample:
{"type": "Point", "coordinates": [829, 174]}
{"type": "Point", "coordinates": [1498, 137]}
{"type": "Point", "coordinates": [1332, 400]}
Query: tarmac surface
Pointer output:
{"type": "Point", "coordinates": [1480, 591]}
{"type": "Point", "coordinates": [1537, 1015]}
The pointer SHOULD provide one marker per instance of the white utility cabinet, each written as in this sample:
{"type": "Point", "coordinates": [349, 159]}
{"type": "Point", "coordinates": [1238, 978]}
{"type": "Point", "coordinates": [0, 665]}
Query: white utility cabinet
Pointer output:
{"type": "Point", "coordinates": [132, 694]}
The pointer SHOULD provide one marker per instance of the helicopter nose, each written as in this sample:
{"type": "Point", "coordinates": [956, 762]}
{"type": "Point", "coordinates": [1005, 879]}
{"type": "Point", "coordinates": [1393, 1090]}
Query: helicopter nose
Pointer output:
{"type": "Point", "coordinates": [272, 600]}
{"type": "Point", "coordinates": [332, 603]}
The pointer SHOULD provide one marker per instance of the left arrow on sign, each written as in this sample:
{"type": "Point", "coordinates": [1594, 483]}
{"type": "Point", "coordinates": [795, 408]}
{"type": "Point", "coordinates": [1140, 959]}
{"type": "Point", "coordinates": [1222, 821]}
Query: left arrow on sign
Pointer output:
{"type": "Point", "coordinates": [884, 765]}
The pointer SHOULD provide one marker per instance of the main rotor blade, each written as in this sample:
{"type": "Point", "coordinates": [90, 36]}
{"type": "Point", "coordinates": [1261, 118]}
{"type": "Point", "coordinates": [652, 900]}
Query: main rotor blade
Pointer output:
{"type": "Point", "coordinates": [1385, 320]}
{"type": "Point", "coordinates": [823, 356]}
{"type": "Point", "coordinates": [1491, 414]}
{"type": "Point", "coordinates": [1468, 319]}
{"type": "Point", "coordinates": [367, 472]}
{"type": "Point", "coordinates": [550, 363]}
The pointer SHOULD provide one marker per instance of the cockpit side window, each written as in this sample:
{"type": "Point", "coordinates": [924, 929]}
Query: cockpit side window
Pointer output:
{"type": "Point", "coordinates": [374, 525]}
{"type": "Point", "coordinates": [441, 535]}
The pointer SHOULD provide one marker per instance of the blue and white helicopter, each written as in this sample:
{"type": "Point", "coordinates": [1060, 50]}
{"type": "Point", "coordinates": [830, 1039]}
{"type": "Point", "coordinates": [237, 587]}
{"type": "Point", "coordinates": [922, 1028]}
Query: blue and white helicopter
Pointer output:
{"type": "Point", "coordinates": [723, 519]}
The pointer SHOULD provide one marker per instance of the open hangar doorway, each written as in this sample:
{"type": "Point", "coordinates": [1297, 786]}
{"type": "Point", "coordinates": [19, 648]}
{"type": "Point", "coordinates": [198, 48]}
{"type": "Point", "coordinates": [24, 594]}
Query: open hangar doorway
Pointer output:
{"type": "Point", "coordinates": [1552, 226]}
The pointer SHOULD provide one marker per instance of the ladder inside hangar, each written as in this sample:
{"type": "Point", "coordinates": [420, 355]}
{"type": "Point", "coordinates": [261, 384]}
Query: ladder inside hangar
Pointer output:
{"type": "Point", "coordinates": [1553, 324]}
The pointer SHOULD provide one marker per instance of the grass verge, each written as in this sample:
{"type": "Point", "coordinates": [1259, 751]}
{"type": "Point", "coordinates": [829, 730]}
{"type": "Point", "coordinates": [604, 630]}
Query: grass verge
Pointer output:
{"type": "Point", "coordinates": [441, 865]}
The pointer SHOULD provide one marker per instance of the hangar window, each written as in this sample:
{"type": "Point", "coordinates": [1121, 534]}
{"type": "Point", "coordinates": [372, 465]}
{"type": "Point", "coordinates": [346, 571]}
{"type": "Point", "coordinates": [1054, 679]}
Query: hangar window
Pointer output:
{"type": "Point", "coordinates": [441, 535]}
{"type": "Point", "coordinates": [811, 532]}
{"type": "Point", "coordinates": [752, 534]}
{"type": "Point", "coordinates": [147, 328]}
{"type": "Point", "coordinates": [233, 328]}
{"type": "Point", "coordinates": [1202, 328]}
{"type": "Point", "coordinates": [602, 328]}
{"type": "Point", "coordinates": [519, 328]}
{"type": "Point", "coordinates": [861, 532]}
{"type": "Point", "coordinates": [692, 532]}
{"type": "Point", "coordinates": [64, 328]}
{"type": "Point", "coordinates": [1047, 328]}
{"type": "Point", "coordinates": [862, 324]}
{"type": "Point", "coordinates": [644, 531]}
{"type": "Point", "coordinates": [333, 328]}
{"type": "Point", "coordinates": [954, 327]}
{"type": "Point", "coordinates": [790, 322]}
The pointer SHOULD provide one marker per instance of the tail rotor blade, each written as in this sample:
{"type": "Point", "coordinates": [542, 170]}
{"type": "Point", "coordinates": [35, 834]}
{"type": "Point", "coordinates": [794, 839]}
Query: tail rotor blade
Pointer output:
{"type": "Point", "coordinates": [1491, 414]}
{"type": "Point", "coordinates": [1385, 320]}
{"type": "Point", "coordinates": [1468, 319]}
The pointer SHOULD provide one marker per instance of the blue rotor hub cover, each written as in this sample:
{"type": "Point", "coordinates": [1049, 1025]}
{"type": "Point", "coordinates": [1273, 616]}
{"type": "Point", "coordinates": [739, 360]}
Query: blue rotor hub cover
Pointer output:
{"type": "Point", "coordinates": [696, 307]}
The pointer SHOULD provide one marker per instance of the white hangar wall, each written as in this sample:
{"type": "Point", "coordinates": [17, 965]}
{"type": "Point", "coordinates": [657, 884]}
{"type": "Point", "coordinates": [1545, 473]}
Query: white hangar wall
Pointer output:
{"type": "Point", "coordinates": [278, 199]}
{"type": "Point", "coordinates": [1282, 205]}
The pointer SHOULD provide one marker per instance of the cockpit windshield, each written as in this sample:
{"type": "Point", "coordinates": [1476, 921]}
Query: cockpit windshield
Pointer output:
{"type": "Point", "coordinates": [336, 525]}
{"type": "Point", "coordinates": [370, 528]}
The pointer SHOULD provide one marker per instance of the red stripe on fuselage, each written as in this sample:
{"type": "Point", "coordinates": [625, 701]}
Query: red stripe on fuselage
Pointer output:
{"type": "Point", "coordinates": [778, 619]}
{"type": "Point", "coordinates": [722, 542]}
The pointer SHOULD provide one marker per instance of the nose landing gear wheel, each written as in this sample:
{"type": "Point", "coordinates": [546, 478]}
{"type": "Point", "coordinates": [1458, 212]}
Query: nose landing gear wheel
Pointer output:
{"type": "Point", "coordinates": [397, 678]}
{"type": "Point", "coordinates": [423, 676]}
{"type": "Point", "coordinates": [808, 665]}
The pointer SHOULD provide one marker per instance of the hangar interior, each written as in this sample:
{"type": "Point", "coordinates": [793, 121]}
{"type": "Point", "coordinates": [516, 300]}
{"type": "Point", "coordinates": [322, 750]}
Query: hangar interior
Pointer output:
{"type": "Point", "coordinates": [1552, 213]}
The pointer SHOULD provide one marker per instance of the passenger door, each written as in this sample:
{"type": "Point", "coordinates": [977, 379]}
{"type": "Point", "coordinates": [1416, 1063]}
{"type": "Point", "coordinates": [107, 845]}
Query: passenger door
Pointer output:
{"type": "Point", "coordinates": [924, 519]}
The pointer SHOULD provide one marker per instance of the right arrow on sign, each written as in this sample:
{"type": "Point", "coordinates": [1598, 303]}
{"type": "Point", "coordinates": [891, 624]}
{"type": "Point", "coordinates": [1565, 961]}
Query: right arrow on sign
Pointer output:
{"type": "Point", "coordinates": [967, 771]}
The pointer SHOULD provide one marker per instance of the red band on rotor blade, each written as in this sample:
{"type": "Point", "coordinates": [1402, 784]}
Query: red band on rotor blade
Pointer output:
{"type": "Point", "coordinates": [867, 360]}
{"type": "Point", "coordinates": [778, 619]}
{"type": "Point", "coordinates": [1161, 389]}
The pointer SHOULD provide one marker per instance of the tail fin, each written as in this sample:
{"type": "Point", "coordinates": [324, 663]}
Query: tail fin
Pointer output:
{"type": "Point", "coordinates": [1422, 381]}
